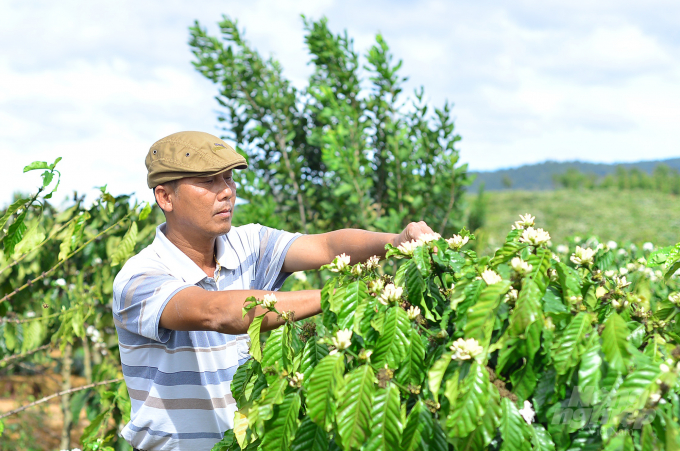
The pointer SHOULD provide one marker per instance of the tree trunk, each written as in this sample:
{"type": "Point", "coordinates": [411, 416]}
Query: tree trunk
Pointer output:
{"type": "Point", "coordinates": [87, 359]}
{"type": "Point", "coordinates": [66, 364]}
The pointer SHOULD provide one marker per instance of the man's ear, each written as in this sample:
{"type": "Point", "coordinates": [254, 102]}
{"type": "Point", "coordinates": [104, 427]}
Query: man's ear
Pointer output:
{"type": "Point", "coordinates": [164, 197]}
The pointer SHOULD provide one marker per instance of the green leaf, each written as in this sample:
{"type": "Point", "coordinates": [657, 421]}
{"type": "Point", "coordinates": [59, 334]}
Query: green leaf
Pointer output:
{"type": "Point", "coordinates": [615, 342]}
{"type": "Point", "coordinates": [569, 280]}
{"type": "Point", "coordinates": [482, 315]}
{"type": "Point", "coordinates": [37, 165]}
{"type": "Point", "coordinates": [541, 439]}
{"type": "Point", "coordinates": [277, 351]}
{"type": "Point", "coordinates": [486, 430]}
{"type": "Point", "coordinates": [418, 429]}
{"type": "Point", "coordinates": [385, 416]}
{"type": "Point", "coordinates": [33, 335]}
{"type": "Point", "coordinates": [527, 310]}
{"type": "Point", "coordinates": [568, 349]}
{"type": "Point", "coordinates": [648, 441]}
{"type": "Point", "coordinates": [513, 428]}
{"type": "Point", "coordinates": [146, 211]}
{"type": "Point", "coordinates": [279, 433]}
{"type": "Point", "coordinates": [634, 391]}
{"type": "Point", "coordinates": [254, 334]}
{"type": "Point", "coordinates": [415, 284]}
{"type": "Point", "coordinates": [393, 341]}
{"type": "Point", "coordinates": [590, 373]}
{"type": "Point", "coordinates": [263, 408]}
{"type": "Point", "coordinates": [620, 442]}
{"type": "Point", "coordinates": [312, 354]}
{"type": "Point", "coordinates": [354, 408]}
{"type": "Point", "coordinates": [421, 256]}
{"type": "Point", "coordinates": [540, 263]}
{"type": "Point", "coordinates": [436, 373]}
{"type": "Point", "coordinates": [468, 410]}
{"type": "Point", "coordinates": [15, 234]}
{"type": "Point", "coordinates": [412, 369]}
{"type": "Point", "coordinates": [324, 384]}
{"type": "Point", "coordinates": [524, 381]}
{"type": "Point", "coordinates": [17, 204]}
{"type": "Point", "coordinates": [126, 247]}
{"type": "Point", "coordinates": [310, 437]}
{"type": "Point", "coordinates": [354, 295]}
{"type": "Point", "coordinates": [244, 373]}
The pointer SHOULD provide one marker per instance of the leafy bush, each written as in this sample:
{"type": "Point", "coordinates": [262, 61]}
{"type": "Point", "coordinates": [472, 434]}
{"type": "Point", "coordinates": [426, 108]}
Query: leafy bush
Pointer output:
{"type": "Point", "coordinates": [523, 350]}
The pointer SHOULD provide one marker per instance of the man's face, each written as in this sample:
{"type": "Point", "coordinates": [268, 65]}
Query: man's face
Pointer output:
{"type": "Point", "coordinates": [204, 205]}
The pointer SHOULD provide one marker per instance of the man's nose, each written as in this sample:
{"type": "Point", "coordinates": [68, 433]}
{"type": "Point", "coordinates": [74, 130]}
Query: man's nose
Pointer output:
{"type": "Point", "coordinates": [226, 190]}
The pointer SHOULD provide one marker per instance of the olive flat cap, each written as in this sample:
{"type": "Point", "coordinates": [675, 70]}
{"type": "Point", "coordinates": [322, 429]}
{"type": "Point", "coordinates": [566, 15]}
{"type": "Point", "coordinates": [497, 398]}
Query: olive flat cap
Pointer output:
{"type": "Point", "coordinates": [189, 154]}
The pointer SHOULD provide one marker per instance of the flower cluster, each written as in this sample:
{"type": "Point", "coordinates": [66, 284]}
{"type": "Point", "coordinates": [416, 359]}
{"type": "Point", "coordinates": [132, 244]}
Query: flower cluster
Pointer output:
{"type": "Point", "coordinates": [674, 298]}
{"type": "Point", "coordinates": [524, 222]}
{"type": "Point", "coordinates": [373, 262]}
{"type": "Point", "coordinates": [342, 339]}
{"type": "Point", "coordinates": [456, 242]}
{"type": "Point", "coordinates": [391, 294]}
{"type": "Point", "coordinates": [535, 237]}
{"type": "Point", "coordinates": [376, 286]}
{"type": "Point", "coordinates": [357, 269]}
{"type": "Point", "coordinates": [408, 247]}
{"type": "Point", "coordinates": [520, 266]}
{"type": "Point", "coordinates": [269, 301]}
{"type": "Point", "coordinates": [339, 263]}
{"type": "Point", "coordinates": [296, 380]}
{"type": "Point", "coordinates": [465, 349]}
{"type": "Point", "coordinates": [96, 338]}
{"type": "Point", "coordinates": [527, 412]}
{"type": "Point", "coordinates": [582, 257]}
{"type": "Point", "coordinates": [413, 312]}
{"type": "Point", "coordinates": [491, 277]}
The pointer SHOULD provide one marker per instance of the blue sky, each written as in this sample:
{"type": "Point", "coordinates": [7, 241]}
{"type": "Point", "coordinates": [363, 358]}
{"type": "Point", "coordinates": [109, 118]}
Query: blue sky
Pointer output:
{"type": "Point", "coordinates": [98, 82]}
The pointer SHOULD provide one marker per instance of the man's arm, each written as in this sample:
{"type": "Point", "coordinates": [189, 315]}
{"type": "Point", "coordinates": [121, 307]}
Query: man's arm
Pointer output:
{"type": "Point", "coordinates": [194, 308]}
{"type": "Point", "coordinates": [314, 251]}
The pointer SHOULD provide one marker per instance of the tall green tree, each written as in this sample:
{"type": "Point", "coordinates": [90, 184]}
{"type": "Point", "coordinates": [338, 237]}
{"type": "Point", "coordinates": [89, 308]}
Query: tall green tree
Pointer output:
{"type": "Point", "coordinates": [348, 150]}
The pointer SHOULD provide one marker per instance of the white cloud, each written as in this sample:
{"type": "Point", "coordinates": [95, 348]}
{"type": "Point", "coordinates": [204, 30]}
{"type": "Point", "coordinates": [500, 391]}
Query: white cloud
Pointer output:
{"type": "Point", "coordinates": [98, 83]}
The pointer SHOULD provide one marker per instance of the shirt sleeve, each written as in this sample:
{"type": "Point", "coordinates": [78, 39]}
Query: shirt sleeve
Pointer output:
{"type": "Point", "coordinates": [139, 299]}
{"type": "Point", "coordinates": [273, 247]}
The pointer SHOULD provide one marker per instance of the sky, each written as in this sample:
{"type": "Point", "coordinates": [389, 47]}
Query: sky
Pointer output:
{"type": "Point", "coordinates": [97, 82]}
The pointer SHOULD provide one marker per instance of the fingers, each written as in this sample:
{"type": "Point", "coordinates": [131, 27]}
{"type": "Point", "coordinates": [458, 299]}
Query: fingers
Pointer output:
{"type": "Point", "coordinates": [414, 230]}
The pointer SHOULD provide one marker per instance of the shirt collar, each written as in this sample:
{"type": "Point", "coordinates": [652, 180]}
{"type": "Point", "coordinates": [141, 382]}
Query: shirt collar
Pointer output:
{"type": "Point", "coordinates": [181, 265]}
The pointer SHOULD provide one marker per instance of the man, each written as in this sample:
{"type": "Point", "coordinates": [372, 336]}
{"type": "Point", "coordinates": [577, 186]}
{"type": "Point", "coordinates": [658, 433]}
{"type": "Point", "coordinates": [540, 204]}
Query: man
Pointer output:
{"type": "Point", "coordinates": [177, 304]}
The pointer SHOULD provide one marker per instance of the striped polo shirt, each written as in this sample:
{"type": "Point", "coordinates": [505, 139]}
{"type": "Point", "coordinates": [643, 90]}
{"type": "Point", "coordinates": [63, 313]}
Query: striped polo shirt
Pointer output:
{"type": "Point", "coordinates": [180, 382]}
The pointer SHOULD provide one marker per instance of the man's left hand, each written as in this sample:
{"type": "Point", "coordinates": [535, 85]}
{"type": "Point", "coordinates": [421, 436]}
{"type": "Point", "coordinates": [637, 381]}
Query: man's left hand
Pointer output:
{"type": "Point", "coordinates": [413, 231]}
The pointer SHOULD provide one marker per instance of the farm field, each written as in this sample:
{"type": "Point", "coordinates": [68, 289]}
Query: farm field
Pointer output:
{"type": "Point", "coordinates": [622, 216]}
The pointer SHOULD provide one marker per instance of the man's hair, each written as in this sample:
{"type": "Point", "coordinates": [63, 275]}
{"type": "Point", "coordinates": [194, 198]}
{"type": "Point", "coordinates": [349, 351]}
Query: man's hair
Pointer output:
{"type": "Point", "coordinates": [173, 184]}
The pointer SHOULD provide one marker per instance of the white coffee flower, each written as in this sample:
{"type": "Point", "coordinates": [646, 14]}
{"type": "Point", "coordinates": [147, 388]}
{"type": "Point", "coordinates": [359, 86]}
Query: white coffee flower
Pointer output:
{"type": "Point", "coordinates": [582, 257]}
{"type": "Point", "coordinates": [376, 286]}
{"type": "Point", "coordinates": [269, 300]}
{"type": "Point", "coordinates": [612, 244]}
{"type": "Point", "coordinates": [548, 323]}
{"type": "Point", "coordinates": [664, 368]}
{"type": "Point", "coordinates": [287, 315]}
{"type": "Point", "coordinates": [511, 295]}
{"type": "Point", "coordinates": [520, 266]}
{"type": "Point", "coordinates": [365, 354]}
{"type": "Point", "coordinates": [674, 298]}
{"type": "Point", "coordinates": [97, 261]}
{"type": "Point", "coordinates": [621, 252]}
{"type": "Point", "coordinates": [339, 263]}
{"type": "Point", "coordinates": [413, 312]}
{"type": "Point", "coordinates": [357, 269]}
{"type": "Point", "coordinates": [457, 241]}
{"type": "Point", "coordinates": [30, 314]}
{"type": "Point", "coordinates": [623, 271]}
{"type": "Point", "coordinates": [372, 262]}
{"type": "Point", "coordinates": [655, 397]}
{"type": "Point", "coordinates": [408, 247]}
{"type": "Point", "coordinates": [342, 339]}
{"type": "Point", "coordinates": [427, 237]}
{"type": "Point", "coordinates": [524, 221]}
{"type": "Point", "coordinates": [391, 294]}
{"type": "Point", "coordinates": [296, 380]}
{"type": "Point", "coordinates": [609, 273]}
{"type": "Point", "coordinates": [562, 248]}
{"type": "Point", "coordinates": [491, 277]}
{"type": "Point", "coordinates": [535, 237]}
{"type": "Point", "coordinates": [527, 412]}
{"type": "Point", "coordinates": [648, 246]}
{"type": "Point", "coordinates": [465, 349]}
{"type": "Point", "coordinates": [556, 258]}
{"type": "Point", "coordinates": [60, 282]}
{"type": "Point", "coordinates": [616, 303]}
{"type": "Point", "coordinates": [300, 275]}
{"type": "Point", "coordinates": [620, 282]}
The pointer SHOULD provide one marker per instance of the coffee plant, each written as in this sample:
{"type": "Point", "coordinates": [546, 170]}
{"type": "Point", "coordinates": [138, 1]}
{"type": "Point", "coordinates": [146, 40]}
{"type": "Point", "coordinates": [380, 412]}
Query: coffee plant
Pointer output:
{"type": "Point", "coordinates": [525, 349]}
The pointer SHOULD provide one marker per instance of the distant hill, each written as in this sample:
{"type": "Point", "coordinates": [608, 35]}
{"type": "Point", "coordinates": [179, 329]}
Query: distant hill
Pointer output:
{"type": "Point", "coordinates": [539, 177]}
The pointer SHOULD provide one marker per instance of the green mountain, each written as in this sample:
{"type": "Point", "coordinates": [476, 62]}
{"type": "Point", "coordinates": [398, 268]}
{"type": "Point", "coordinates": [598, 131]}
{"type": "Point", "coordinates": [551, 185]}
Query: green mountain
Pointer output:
{"type": "Point", "coordinates": [539, 177]}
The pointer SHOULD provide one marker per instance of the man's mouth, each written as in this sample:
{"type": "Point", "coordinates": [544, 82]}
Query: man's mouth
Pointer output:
{"type": "Point", "coordinates": [224, 213]}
